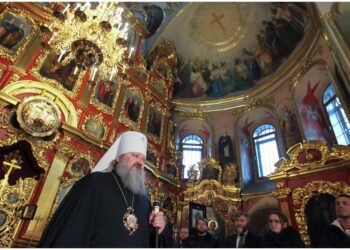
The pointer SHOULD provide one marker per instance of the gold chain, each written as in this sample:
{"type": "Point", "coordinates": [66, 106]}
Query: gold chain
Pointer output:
{"type": "Point", "coordinates": [133, 195]}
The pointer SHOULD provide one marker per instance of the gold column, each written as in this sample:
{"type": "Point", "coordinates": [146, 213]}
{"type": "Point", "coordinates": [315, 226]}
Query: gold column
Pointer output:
{"type": "Point", "coordinates": [47, 196]}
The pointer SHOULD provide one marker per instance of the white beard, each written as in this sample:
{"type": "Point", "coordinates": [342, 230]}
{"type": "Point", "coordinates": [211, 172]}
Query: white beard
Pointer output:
{"type": "Point", "coordinates": [131, 179]}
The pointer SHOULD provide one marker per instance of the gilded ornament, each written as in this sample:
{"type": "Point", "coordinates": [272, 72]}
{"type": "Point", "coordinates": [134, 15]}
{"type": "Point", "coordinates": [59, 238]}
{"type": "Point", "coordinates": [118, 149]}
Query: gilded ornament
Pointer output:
{"type": "Point", "coordinates": [293, 167]}
{"type": "Point", "coordinates": [230, 174]}
{"type": "Point", "coordinates": [330, 15]}
{"type": "Point", "coordinates": [302, 195]}
{"type": "Point", "coordinates": [38, 116]}
{"type": "Point", "coordinates": [281, 192]}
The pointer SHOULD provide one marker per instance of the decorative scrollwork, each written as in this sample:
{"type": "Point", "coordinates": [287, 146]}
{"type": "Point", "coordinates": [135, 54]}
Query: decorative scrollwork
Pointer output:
{"type": "Point", "coordinates": [310, 156]}
{"type": "Point", "coordinates": [302, 195]}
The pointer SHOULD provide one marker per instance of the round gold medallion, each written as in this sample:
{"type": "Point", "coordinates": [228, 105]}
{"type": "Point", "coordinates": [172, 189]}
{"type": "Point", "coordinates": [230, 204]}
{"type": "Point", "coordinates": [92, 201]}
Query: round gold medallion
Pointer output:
{"type": "Point", "coordinates": [38, 116]}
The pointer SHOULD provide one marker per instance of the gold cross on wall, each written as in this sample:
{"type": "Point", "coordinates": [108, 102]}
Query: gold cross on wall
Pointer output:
{"type": "Point", "coordinates": [217, 19]}
{"type": "Point", "coordinates": [12, 165]}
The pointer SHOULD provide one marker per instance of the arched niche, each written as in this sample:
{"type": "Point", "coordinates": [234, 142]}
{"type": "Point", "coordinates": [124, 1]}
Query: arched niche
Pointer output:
{"type": "Point", "coordinates": [25, 88]}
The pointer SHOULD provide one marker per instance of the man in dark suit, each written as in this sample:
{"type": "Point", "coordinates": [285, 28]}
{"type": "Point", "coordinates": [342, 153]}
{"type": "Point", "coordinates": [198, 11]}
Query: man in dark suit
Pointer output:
{"type": "Point", "coordinates": [242, 238]}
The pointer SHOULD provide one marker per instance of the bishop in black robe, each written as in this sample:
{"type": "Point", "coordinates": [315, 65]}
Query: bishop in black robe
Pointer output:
{"type": "Point", "coordinates": [91, 215]}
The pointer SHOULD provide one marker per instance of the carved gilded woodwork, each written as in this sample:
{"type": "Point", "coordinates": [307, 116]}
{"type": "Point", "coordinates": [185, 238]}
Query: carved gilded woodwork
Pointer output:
{"type": "Point", "coordinates": [14, 135]}
{"type": "Point", "coordinates": [281, 193]}
{"type": "Point", "coordinates": [225, 200]}
{"type": "Point", "coordinates": [309, 157]}
{"type": "Point", "coordinates": [171, 137]}
{"type": "Point", "coordinates": [229, 175]}
{"type": "Point", "coordinates": [141, 72]}
{"type": "Point", "coordinates": [160, 86]}
{"type": "Point", "coordinates": [193, 113]}
{"type": "Point", "coordinates": [330, 15]}
{"type": "Point", "coordinates": [20, 28]}
{"type": "Point", "coordinates": [209, 168]}
{"type": "Point", "coordinates": [302, 195]}
{"type": "Point", "coordinates": [37, 88]}
{"type": "Point", "coordinates": [304, 66]}
{"type": "Point", "coordinates": [12, 199]}
{"type": "Point", "coordinates": [161, 67]}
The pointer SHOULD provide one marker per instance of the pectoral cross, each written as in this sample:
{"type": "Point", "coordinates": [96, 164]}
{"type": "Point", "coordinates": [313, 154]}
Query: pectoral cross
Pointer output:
{"type": "Point", "coordinates": [12, 166]}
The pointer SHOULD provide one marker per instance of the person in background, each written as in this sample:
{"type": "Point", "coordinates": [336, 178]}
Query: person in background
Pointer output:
{"type": "Point", "coordinates": [201, 238]}
{"type": "Point", "coordinates": [281, 235]}
{"type": "Point", "coordinates": [242, 237]}
{"type": "Point", "coordinates": [337, 234]}
{"type": "Point", "coordinates": [183, 234]}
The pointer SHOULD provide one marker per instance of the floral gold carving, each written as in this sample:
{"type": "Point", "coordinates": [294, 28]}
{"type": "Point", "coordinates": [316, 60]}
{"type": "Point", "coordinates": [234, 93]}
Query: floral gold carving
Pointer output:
{"type": "Point", "coordinates": [302, 195]}
{"type": "Point", "coordinates": [293, 167]}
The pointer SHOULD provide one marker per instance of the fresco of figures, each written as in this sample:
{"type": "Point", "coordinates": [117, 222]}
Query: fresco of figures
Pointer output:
{"type": "Point", "coordinates": [278, 37]}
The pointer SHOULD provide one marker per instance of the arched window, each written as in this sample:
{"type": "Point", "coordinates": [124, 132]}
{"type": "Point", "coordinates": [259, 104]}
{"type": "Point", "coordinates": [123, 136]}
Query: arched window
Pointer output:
{"type": "Point", "coordinates": [336, 115]}
{"type": "Point", "coordinates": [192, 151]}
{"type": "Point", "coordinates": [266, 149]}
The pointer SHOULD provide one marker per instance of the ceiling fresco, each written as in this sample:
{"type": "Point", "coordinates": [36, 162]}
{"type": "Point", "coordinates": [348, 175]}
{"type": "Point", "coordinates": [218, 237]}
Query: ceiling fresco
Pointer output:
{"type": "Point", "coordinates": [226, 48]}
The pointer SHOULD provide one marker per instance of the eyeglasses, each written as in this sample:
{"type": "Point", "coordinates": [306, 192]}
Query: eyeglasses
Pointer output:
{"type": "Point", "coordinates": [274, 222]}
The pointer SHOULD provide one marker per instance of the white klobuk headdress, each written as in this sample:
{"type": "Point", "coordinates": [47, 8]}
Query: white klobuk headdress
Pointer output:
{"type": "Point", "coordinates": [127, 142]}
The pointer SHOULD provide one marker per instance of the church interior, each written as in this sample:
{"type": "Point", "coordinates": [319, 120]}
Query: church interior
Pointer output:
{"type": "Point", "coordinates": [245, 107]}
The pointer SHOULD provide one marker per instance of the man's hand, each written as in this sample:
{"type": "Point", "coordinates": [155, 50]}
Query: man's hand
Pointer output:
{"type": "Point", "coordinates": [157, 220]}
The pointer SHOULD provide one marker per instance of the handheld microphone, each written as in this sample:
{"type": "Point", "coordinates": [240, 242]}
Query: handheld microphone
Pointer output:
{"type": "Point", "coordinates": [156, 208]}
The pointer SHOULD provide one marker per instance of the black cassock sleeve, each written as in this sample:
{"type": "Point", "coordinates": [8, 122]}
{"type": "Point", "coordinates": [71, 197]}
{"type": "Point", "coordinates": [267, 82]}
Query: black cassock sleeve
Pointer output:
{"type": "Point", "coordinates": [69, 227]}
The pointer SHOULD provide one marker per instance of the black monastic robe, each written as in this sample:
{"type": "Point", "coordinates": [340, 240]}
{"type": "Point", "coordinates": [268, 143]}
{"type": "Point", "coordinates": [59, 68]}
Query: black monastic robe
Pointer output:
{"type": "Point", "coordinates": [91, 215]}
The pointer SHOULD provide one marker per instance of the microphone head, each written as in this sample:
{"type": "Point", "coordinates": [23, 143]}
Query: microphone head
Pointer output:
{"type": "Point", "coordinates": [156, 206]}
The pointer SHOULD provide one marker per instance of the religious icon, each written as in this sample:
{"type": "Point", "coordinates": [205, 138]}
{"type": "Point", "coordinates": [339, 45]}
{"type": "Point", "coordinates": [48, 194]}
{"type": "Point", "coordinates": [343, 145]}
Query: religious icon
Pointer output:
{"type": "Point", "coordinates": [64, 73]}
{"type": "Point", "coordinates": [196, 211]}
{"type": "Point", "coordinates": [3, 218]}
{"type": "Point", "coordinates": [12, 198]}
{"type": "Point", "coordinates": [132, 106]}
{"type": "Point", "coordinates": [152, 157]}
{"type": "Point", "coordinates": [106, 92]}
{"type": "Point", "coordinates": [80, 167]}
{"type": "Point", "coordinates": [154, 122]}
{"type": "Point", "coordinates": [94, 128]}
{"type": "Point", "coordinates": [28, 212]}
{"type": "Point", "coordinates": [13, 31]}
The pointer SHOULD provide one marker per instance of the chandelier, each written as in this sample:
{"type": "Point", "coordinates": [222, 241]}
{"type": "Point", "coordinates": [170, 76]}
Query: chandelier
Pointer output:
{"type": "Point", "coordinates": [94, 35]}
